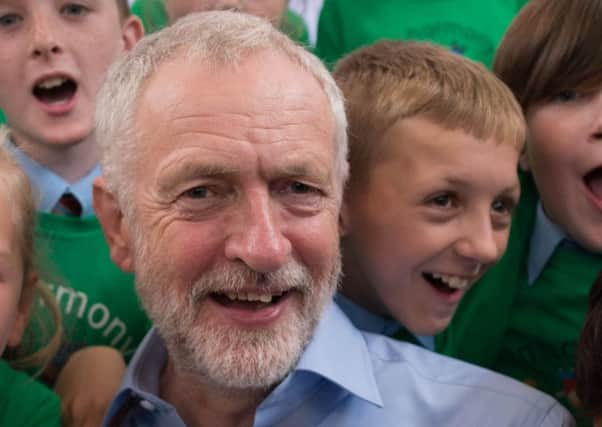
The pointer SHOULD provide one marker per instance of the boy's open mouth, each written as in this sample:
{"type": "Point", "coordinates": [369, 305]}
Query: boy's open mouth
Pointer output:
{"type": "Point", "coordinates": [593, 180]}
{"type": "Point", "coordinates": [445, 283]}
{"type": "Point", "coordinates": [248, 300]}
{"type": "Point", "coordinates": [55, 90]}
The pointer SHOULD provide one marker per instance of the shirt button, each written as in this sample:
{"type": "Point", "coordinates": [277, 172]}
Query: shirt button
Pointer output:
{"type": "Point", "coordinates": [147, 405]}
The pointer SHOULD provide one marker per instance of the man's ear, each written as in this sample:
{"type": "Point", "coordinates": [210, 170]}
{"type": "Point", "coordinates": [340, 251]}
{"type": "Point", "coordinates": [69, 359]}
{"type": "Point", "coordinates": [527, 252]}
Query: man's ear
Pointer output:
{"type": "Point", "coordinates": [132, 30]}
{"type": "Point", "coordinates": [23, 310]}
{"type": "Point", "coordinates": [113, 224]}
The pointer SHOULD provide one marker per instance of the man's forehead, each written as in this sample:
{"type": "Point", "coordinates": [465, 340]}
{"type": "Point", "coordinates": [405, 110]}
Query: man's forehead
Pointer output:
{"type": "Point", "coordinates": [262, 98]}
{"type": "Point", "coordinates": [260, 74]}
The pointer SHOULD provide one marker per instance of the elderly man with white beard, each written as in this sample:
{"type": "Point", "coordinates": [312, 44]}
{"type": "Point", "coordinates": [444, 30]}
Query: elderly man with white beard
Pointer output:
{"type": "Point", "coordinates": [224, 161]}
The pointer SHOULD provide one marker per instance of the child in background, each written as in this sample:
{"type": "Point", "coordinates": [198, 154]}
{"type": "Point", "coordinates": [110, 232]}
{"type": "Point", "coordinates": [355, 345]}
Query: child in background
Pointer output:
{"type": "Point", "coordinates": [525, 315]}
{"type": "Point", "coordinates": [54, 56]}
{"type": "Point", "coordinates": [23, 401]}
{"type": "Point", "coordinates": [434, 144]}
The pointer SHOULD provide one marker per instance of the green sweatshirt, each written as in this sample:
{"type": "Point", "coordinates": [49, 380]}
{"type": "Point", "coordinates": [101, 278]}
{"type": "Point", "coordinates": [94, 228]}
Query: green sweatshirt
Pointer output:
{"type": "Point", "coordinates": [469, 27]}
{"type": "Point", "coordinates": [98, 301]}
{"type": "Point", "coordinates": [529, 332]}
{"type": "Point", "coordinates": [26, 403]}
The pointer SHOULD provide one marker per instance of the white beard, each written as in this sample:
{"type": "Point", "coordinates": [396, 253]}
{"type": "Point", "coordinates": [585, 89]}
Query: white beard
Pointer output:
{"type": "Point", "coordinates": [234, 358]}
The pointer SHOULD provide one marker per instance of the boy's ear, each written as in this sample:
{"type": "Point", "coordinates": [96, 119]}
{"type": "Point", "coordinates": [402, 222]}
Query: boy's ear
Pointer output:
{"type": "Point", "coordinates": [132, 30]}
{"type": "Point", "coordinates": [24, 309]}
{"type": "Point", "coordinates": [113, 224]}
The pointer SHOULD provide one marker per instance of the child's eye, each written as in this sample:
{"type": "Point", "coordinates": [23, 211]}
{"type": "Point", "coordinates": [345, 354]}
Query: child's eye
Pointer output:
{"type": "Point", "coordinates": [10, 20]}
{"type": "Point", "coordinates": [74, 9]}
{"type": "Point", "coordinates": [503, 207]}
{"type": "Point", "coordinates": [567, 96]}
{"type": "Point", "coordinates": [445, 200]}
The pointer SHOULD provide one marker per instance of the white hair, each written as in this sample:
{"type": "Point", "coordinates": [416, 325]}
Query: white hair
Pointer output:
{"type": "Point", "coordinates": [220, 37]}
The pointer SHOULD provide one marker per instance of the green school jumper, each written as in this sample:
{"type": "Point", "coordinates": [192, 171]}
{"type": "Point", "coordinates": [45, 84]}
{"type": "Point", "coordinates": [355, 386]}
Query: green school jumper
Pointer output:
{"type": "Point", "coordinates": [529, 332]}
{"type": "Point", "coordinates": [470, 27]}
{"type": "Point", "coordinates": [26, 403]}
{"type": "Point", "coordinates": [97, 300]}
{"type": "Point", "coordinates": [153, 16]}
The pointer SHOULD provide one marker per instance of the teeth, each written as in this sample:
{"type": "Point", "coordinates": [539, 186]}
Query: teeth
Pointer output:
{"type": "Point", "coordinates": [52, 83]}
{"type": "Point", "coordinates": [250, 296]}
{"type": "Point", "coordinates": [265, 298]}
{"type": "Point", "coordinates": [454, 282]}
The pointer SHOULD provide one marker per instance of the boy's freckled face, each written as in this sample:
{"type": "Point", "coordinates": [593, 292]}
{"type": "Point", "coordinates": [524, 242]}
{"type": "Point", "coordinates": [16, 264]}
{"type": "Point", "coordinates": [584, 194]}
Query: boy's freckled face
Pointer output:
{"type": "Point", "coordinates": [11, 277]}
{"type": "Point", "coordinates": [54, 55]}
{"type": "Point", "coordinates": [433, 215]}
{"type": "Point", "coordinates": [564, 153]}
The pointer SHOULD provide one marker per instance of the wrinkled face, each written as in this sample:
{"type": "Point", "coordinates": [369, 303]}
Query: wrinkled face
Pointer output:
{"type": "Point", "coordinates": [433, 216]}
{"type": "Point", "coordinates": [564, 153]}
{"type": "Point", "coordinates": [236, 231]}
{"type": "Point", "coordinates": [11, 278]}
{"type": "Point", "coordinates": [272, 10]}
{"type": "Point", "coordinates": [54, 54]}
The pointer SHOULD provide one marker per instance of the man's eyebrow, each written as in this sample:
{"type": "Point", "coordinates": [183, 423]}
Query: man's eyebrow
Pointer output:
{"type": "Point", "coordinates": [189, 170]}
{"type": "Point", "coordinates": [302, 169]}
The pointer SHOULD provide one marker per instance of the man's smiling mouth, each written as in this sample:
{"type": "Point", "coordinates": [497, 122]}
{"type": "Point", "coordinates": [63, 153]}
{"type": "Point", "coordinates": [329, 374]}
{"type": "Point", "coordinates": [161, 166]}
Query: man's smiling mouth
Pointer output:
{"type": "Point", "coordinates": [248, 300]}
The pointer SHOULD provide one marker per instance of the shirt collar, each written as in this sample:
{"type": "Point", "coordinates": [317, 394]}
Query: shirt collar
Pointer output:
{"type": "Point", "coordinates": [544, 240]}
{"type": "Point", "coordinates": [366, 320]}
{"type": "Point", "coordinates": [50, 186]}
{"type": "Point", "coordinates": [338, 353]}
{"type": "Point", "coordinates": [348, 365]}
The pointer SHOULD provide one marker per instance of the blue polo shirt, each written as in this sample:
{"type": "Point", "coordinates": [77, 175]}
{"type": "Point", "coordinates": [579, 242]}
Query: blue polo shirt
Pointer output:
{"type": "Point", "coordinates": [349, 378]}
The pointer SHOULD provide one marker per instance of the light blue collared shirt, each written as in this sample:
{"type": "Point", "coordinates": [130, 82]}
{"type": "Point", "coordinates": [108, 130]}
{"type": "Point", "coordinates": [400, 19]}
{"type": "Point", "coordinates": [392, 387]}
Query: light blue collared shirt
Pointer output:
{"type": "Point", "coordinates": [50, 187]}
{"type": "Point", "coordinates": [544, 240]}
{"type": "Point", "coordinates": [369, 322]}
{"type": "Point", "coordinates": [350, 378]}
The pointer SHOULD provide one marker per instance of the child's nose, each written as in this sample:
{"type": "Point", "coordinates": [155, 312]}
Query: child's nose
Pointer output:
{"type": "Point", "coordinates": [480, 242]}
{"type": "Point", "coordinates": [44, 39]}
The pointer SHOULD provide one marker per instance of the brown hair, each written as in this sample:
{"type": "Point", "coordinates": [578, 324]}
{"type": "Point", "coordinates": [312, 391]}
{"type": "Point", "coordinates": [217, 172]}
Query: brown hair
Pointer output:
{"type": "Point", "coordinates": [22, 211]}
{"type": "Point", "coordinates": [393, 80]}
{"type": "Point", "coordinates": [552, 47]}
{"type": "Point", "coordinates": [589, 354]}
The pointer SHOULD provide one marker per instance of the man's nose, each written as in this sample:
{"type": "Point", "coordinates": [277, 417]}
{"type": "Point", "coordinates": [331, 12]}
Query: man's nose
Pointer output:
{"type": "Point", "coordinates": [45, 38]}
{"type": "Point", "coordinates": [256, 238]}
{"type": "Point", "coordinates": [479, 241]}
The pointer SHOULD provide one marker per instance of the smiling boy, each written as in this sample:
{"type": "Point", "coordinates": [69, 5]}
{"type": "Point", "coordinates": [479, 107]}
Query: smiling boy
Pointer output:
{"type": "Point", "coordinates": [434, 145]}
{"type": "Point", "coordinates": [54, 55]}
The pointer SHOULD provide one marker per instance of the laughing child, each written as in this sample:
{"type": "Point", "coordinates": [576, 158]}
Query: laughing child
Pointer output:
{"type": "Point", "coordinates": [524, 317]}
{"type": "Point", "coordinates": [434, 145]}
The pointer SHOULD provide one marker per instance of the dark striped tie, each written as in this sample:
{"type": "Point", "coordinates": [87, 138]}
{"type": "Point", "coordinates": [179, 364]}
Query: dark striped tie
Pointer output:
{"type": "Point", "coordinates": [68, 205]}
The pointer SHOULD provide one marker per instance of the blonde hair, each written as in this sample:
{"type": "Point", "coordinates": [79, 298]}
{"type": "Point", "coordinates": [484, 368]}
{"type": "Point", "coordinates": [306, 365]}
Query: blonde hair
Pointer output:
{"type": "Point", "coordinates": [22, 213]}
{"type": "Point", "coordinates": [394, 80]}
{"type": "Point", "coordinates": [219, 38]}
